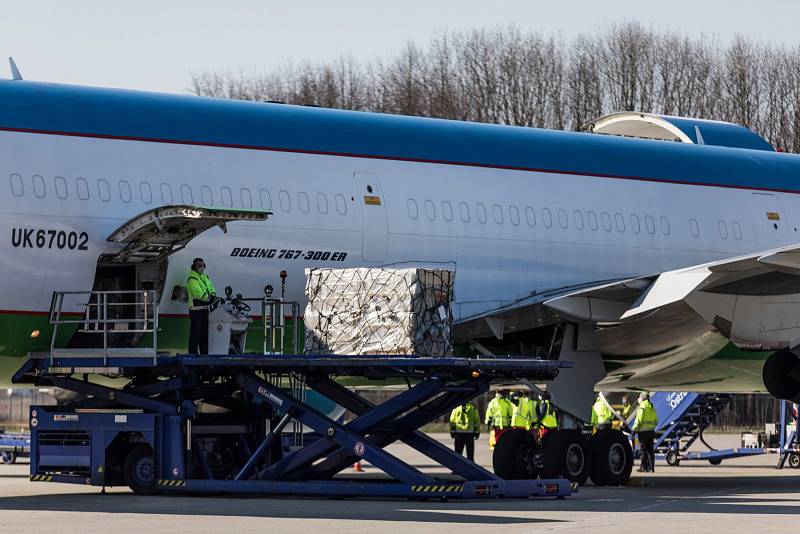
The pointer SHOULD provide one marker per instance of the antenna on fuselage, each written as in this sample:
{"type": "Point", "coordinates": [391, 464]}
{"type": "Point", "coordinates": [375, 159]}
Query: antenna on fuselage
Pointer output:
{"type": "Point", "coordinates": [15, 74]}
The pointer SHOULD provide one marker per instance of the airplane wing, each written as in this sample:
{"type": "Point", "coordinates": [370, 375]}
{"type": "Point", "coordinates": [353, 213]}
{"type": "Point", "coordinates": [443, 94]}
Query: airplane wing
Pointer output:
{"type": "Point", "coordinates": [754, 300]}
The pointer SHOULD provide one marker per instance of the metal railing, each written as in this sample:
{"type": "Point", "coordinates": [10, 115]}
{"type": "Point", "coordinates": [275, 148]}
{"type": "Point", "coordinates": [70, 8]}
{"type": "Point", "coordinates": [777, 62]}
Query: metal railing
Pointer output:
{"type": "Point", "coordinates": [274, 312]}
{"type": "Point", "coordinates": [131, 312]}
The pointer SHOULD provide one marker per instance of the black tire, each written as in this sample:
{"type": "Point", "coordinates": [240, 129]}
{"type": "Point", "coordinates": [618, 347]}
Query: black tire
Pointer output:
{"type": "Point", "coordinates": [673, 459]}
{"type": "Point", "coordinates": [566, 454]}
{"type": "Point", "coordinates": [513, 455]}
{"type": "Point", "coordinates": [715, 461]}
{"type": "Point", "coordinates": [794, 460]}
{"type": "Point", "coordinates": [612, 458]}
{"type": "Point", "coordinates": [139, 470]}
{"type": "Point", "coordinates": [8, 457]}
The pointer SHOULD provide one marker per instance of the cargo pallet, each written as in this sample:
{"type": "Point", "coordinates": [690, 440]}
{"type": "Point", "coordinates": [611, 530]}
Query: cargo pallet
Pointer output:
{"type": "Point", "coordinates": [151, 436]}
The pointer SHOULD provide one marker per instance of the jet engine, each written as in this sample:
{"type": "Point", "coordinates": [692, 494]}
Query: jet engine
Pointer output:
{"type": "Point", "coordinates": [781, 374]}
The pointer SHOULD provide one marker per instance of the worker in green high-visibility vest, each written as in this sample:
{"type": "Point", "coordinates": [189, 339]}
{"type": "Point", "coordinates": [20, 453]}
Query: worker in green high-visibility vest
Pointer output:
{"type": "Point", "coordinates": [202, 295]}
{"type": "Point", "coordinates": [645, 427]}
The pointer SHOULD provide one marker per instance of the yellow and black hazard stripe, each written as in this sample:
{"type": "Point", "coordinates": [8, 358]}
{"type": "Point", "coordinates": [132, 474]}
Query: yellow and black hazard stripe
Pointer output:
{"type": "Point", "coordinates": [447, 488]}
{"type": "Point", "coordinates": [41, 478]}
{"type": "Point", "coordinates": [171, 483]}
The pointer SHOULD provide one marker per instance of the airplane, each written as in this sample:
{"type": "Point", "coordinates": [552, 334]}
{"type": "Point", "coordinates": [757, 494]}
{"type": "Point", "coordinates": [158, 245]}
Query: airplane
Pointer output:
{"type": "Point", "coordinates": [658, 253]}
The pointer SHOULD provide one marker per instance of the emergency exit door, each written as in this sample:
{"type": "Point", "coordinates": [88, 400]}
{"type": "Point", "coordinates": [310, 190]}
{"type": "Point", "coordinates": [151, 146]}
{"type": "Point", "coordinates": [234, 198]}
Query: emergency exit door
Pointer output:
{"type": "Point", "coordinates": [770, 221]}
{"type": "Point", "coordinates": [373, 217]}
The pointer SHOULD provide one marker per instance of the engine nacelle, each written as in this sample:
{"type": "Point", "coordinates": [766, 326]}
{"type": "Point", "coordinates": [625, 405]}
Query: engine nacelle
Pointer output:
{"type": "Point", "coordinates": [781, 374]}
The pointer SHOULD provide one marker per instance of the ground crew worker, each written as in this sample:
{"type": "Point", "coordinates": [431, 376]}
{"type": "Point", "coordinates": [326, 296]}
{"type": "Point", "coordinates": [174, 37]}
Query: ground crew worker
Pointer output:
{"type": "Point", "coordinates": [645, 426]}
{"type": "Point", "coordinates": [547, 415]}
{"type": "Point", "coordinates": [465, 428]}
{"type": "Point", "coordinates": [498, 415]}
{"type": "Point", "coordinates": [524, 412]}
{"type": "Point", "coordinates": [601, 414]}
{"type": "Point", "coordinates": [201, 296]}
{"type": "Point", "coordinates": [627, 407]}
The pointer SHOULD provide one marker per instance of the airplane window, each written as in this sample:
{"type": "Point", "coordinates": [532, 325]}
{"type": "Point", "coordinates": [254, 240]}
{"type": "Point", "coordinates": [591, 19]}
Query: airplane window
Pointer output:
{"type": "Point", "coordinates": [16, 185]}
{"type": "Point", "coordinates": [322, 203]}
{"type": "Point", "coordinates": [563, 220]}
{"type": "Point", "coordinates": [266, 199]}
{"type": "Point", "coordinates": [246, 197]}
{"type": "Point", "coordinates": [547, 217]}
{"type": "Point", "coordinates": [61, 187]}
{"type": "Point", "coordinates": [226, 196]}
{"type": "Point", "coordinates": [530, 215]}
{"type": "Point", "coordinates": [166, 193]}
{"type": "Point", "coordinates": [480, 210]}
{"type": "Point", "coordinates": [341, 205]}
{"type": "Point", "coordinates": [498, 214]}
{"type": "Point", "coordinates": [577, 217]}
{"type": "Point", "coordinates": [605, 218]}
{"type": "Point", "coordinates": [619, 222]}
{"type": "Point", "coordinates": [463, 208]}
{"type": "Point", "coordinates": [302, 202]}
{"type": "Point", "coordinates": [125, 191]}
{"type": "Point", "coordinates": [650, 224]}
{"type": "Point", "coordinates": [145, 192]}
{"type": "Point", "coordinates": [635, 226]}
{"type": "Point", "coordinates": [430, 210]}
{"type": "Point", "coordinates": [592, 217]}
{"type": "Point", "coordinates": [723, 229]}
{"type": "Point", "coordinates": [103, 190]}
{"type": "Point", "coordinates": [284, 200]}
{"type": "Point", "coordinates": [82, 187]}
{"type": "Point", "coordinates": [447, 211]}
{"type": "Point", "coordinates": [513, 214]}
{"type": "Point", "coordinates": [737, 230]}
{"type": "Point", "coordinates": [186, 194]}
{"type": "Point", "coordinates": [205, 195]}
{"type": "Point", "coordinates": [413, 212]}
{"type": "Point", "coordinates": [664, 225]}
{"type": "Point", "coordinates": [694, 228]}
{"type": "Point", "coordinates": [38, 186]}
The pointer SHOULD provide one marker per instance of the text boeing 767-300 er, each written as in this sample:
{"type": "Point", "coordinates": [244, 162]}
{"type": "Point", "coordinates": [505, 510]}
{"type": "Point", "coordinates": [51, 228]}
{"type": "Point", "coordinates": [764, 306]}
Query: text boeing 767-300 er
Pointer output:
{"type": "Point", "coordinates": [659, 265]}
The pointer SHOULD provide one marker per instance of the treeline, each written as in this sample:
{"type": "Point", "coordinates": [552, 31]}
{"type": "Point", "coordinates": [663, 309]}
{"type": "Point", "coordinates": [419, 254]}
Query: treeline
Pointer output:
{"type": "Point", "coordinates": [529, 79]}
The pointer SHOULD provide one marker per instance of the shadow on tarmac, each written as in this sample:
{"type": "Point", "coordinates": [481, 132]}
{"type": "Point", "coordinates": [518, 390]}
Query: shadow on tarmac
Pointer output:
{"type": "Point", "coordinates": [778, 494]}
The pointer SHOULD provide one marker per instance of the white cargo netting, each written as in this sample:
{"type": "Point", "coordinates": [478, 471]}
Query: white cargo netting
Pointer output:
{"type": "Point", "coordinates": [379, 311]}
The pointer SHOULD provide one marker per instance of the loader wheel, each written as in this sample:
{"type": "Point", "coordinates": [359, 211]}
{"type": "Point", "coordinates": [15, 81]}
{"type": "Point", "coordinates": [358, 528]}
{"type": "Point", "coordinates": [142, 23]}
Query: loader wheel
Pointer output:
{"type": "Point", "coordinates": [139, 470]}
{"type": "Point", "coordinates": [8, 457]}
{"type": "Point", "coordinates": [612, 458]}
{"type": "Point", "coordinates": [513, 455]}
{"type": "Point", "coordinates": [794, 460]}
{"type": "Point", "coordinates": [566, 454]}
{"type": "Point", "coordinates": [715, 461]}
{"type": "Point", "coordinates": [673, 459]}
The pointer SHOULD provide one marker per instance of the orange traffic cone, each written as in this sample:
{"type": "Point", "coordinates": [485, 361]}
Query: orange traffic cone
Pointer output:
{"type": "Point", "coordinates": [357, 467]}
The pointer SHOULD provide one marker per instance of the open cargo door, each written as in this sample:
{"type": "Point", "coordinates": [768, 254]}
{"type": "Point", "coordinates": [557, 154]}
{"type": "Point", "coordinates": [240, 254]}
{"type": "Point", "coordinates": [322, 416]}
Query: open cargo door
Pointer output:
{"type": "Point", "coordinates": [157, 233]}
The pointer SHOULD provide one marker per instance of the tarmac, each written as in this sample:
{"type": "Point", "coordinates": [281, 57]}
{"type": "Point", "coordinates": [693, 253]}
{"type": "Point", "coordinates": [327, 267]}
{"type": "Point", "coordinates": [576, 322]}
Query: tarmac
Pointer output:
{"type": "Point", "coordinates": [741, 495]}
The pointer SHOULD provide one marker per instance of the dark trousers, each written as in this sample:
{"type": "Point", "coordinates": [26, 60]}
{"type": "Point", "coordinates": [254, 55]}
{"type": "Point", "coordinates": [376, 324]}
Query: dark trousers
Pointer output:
{"type": "Point", "coordinates": [198, 331]}
{"type": "Point", "coordinates": [647, 446]}
{"type": "Point", "coordinates": [462, 439]}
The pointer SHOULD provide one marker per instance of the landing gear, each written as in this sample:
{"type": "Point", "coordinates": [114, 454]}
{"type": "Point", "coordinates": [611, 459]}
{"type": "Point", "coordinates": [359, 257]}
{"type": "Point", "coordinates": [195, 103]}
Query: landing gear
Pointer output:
{"type": "Point", "coordinates": [566, 453]}
{"type": "Point", "coordinates": [514, 455]}
{"type": "Point", "coordinates": [139, 470]}
{"type": "Point", "coordinates": [612, 458]}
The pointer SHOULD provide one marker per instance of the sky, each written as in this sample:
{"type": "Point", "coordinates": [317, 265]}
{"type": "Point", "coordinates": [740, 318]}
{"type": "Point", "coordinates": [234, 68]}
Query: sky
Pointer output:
{"type": "Point", "coordinates": [157, 45]}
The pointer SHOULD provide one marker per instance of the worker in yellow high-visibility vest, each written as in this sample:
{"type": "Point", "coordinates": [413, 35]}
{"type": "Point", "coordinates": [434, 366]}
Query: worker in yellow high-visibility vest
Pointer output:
{"type": "Point", "coordinates": [498, 415]}
{"type": "Point", "coordinates": [524, 414]}
{"type": "Point", "coordinates": [645, 426]}
{"type": "Point", "coordinates": [202, 295]}
{"type": "Point", "coordinates": [601, 414]}
{"type": "Point", "coordinates": [465, 428]}
{"type": "Point", "coordinates": [548, 419]}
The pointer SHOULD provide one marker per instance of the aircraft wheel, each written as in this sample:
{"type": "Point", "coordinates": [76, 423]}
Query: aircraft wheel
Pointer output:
{"type": "Point", "coordinates": [566, 454]}
{"type": "Point", "coordinates": [612, 458]}
{"type": "Point", "coordinates": [139, 470]}
{"type": "Point", "coordinates": [8, 457]}
{"type": "Point", "coordinates": [715, 461]}
{"type": "Point", "coordinates": [794, 460]}
{"type": "Point", "coordinates": [673, 459]}
{"type": "Point", "coordinates": [513, 455]}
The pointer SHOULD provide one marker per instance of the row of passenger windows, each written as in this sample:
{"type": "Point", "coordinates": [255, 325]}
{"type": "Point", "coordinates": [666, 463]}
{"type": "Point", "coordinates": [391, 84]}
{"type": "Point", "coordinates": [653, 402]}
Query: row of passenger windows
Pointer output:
{"type": "Point", "coordinates": [163, 194]}
{"type": "Point", "coordinates": [590, 219]}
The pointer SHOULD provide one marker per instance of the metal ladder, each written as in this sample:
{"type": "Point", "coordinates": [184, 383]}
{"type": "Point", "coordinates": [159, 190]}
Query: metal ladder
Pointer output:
{"type": "Point", "coordinates": [684, 416]}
